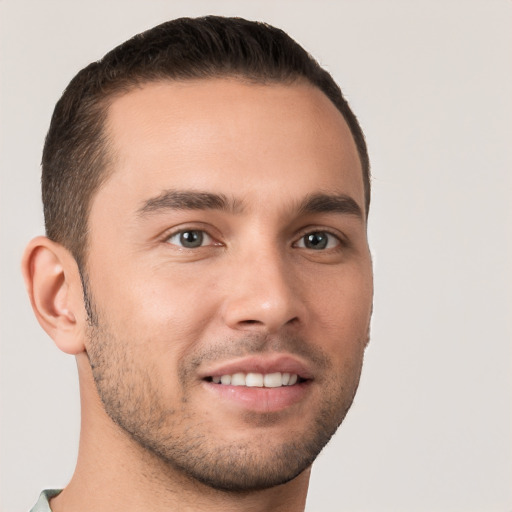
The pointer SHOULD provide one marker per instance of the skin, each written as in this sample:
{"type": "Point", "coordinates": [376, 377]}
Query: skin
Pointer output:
{"type": "Point", "coordinates": [156, 434]}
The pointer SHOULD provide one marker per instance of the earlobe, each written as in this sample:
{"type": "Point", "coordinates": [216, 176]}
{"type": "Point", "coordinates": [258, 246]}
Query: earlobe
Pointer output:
{"type": "Point", "coordinates": [54, 287]}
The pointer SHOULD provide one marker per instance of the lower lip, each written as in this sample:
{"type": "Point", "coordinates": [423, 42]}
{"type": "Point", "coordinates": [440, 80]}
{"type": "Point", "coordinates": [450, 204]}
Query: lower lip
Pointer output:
{"type": "Point", "coordinates": [260, 399]}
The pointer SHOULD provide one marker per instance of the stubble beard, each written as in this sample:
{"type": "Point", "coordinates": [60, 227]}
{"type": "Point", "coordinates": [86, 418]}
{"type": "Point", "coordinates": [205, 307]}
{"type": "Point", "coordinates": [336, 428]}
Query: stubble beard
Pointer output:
{"type": "Point", "coordinates": [186, 443]}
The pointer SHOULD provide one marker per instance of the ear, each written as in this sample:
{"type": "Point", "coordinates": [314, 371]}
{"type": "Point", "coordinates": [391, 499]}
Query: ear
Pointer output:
{"type": "Point", "coordinates": [55, 290]}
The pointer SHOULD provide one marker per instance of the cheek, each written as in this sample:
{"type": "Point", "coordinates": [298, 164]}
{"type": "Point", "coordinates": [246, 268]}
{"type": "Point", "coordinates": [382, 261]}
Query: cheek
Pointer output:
{"type": "Point", "coordinates": [343, 311]}
{"type": "Point", "coordinates": [344, 297]}
{"type": "Point", "coordinates": [157, 306]}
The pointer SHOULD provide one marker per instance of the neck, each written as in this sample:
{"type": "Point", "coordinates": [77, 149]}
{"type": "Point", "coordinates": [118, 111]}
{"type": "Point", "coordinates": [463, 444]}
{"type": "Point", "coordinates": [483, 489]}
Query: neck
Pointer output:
{"type": "Point", "coordinates": [114, 472]}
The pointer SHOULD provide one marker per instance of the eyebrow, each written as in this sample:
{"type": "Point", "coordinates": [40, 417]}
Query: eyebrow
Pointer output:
{"type": "Point", "coordinates": [194, 200]}
{"type": "Point", "coordinates": [189, 200]}
{"type": "Point", "coordinates": [330, 203]}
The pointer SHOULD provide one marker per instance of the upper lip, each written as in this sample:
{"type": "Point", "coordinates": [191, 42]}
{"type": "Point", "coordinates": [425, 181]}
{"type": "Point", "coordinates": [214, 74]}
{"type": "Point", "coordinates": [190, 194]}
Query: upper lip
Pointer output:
{"type": "Point", "coordinates": [264, 364]}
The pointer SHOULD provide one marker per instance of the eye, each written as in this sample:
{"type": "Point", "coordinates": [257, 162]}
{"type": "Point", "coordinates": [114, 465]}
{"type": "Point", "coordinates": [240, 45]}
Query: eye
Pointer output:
{"type": "Point", "coordinates": [190, 239]}
{"type": "Point", "coordinates": [318, 241]}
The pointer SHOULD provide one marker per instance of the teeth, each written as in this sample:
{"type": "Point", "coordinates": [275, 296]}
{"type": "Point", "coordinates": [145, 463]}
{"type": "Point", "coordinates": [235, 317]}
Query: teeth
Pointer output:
{"type": "Point", "coordinates": [257, 380]}
{"type": "Point", "coordinates": [238, 379]}
{"type": "Point", "coordinates": [273, 380]}
{"type": "Point", "coordinates": [254, 380]}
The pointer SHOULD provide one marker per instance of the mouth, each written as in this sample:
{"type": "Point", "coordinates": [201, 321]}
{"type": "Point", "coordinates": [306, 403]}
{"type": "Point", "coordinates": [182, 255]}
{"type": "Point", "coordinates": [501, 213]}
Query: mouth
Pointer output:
{"type": "Point", "coordinates": [259, 384]}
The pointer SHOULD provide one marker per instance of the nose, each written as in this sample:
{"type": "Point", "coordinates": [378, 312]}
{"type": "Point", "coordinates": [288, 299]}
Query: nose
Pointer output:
{"type": "Point", "coordinates": [262, 295]}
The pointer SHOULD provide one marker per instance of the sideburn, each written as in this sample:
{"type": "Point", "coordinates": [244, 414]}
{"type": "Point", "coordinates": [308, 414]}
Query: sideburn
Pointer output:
{"type": "Point", "coordinates": [92, 315]}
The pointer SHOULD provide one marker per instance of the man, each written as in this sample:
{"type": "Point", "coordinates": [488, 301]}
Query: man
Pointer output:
{"type": "Point", "coordinates": [206, 190]}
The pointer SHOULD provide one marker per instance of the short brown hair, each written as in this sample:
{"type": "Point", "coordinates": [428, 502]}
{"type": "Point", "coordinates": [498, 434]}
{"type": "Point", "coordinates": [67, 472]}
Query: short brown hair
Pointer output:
{"type": "Point", "coordinates": [75, 155]}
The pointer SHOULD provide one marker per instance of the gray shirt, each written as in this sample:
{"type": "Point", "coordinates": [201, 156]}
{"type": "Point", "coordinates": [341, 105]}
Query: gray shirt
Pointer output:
{"type": "Point", "coordinates": [43, 503]}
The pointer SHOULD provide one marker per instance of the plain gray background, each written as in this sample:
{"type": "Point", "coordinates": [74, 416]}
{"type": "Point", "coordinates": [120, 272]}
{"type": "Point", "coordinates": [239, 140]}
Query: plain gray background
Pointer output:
{"type": "Point", "coordinates": [431, 82]}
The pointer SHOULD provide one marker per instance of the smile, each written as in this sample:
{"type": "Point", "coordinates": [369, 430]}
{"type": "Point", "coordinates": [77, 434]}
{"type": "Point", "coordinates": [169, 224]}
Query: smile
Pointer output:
{"type": "Point", "coordinates": [256, 380]}
{"type": "Point", "coordinates": [259, 384]}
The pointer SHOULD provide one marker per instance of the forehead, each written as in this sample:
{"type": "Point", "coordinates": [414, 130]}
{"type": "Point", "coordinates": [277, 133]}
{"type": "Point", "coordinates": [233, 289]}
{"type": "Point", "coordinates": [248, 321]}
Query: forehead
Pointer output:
{"type": "Point", "coordinates": [230, 135]}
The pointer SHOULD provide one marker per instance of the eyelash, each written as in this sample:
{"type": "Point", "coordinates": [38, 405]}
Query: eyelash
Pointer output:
{"type": "Point", "coordinates": [339, 241]}
{"type": "Point", "coordinates": [203, 234]}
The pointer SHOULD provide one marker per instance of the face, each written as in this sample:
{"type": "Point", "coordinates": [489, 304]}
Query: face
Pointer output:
{"type": "Point", "coordinates": [229, 277]}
